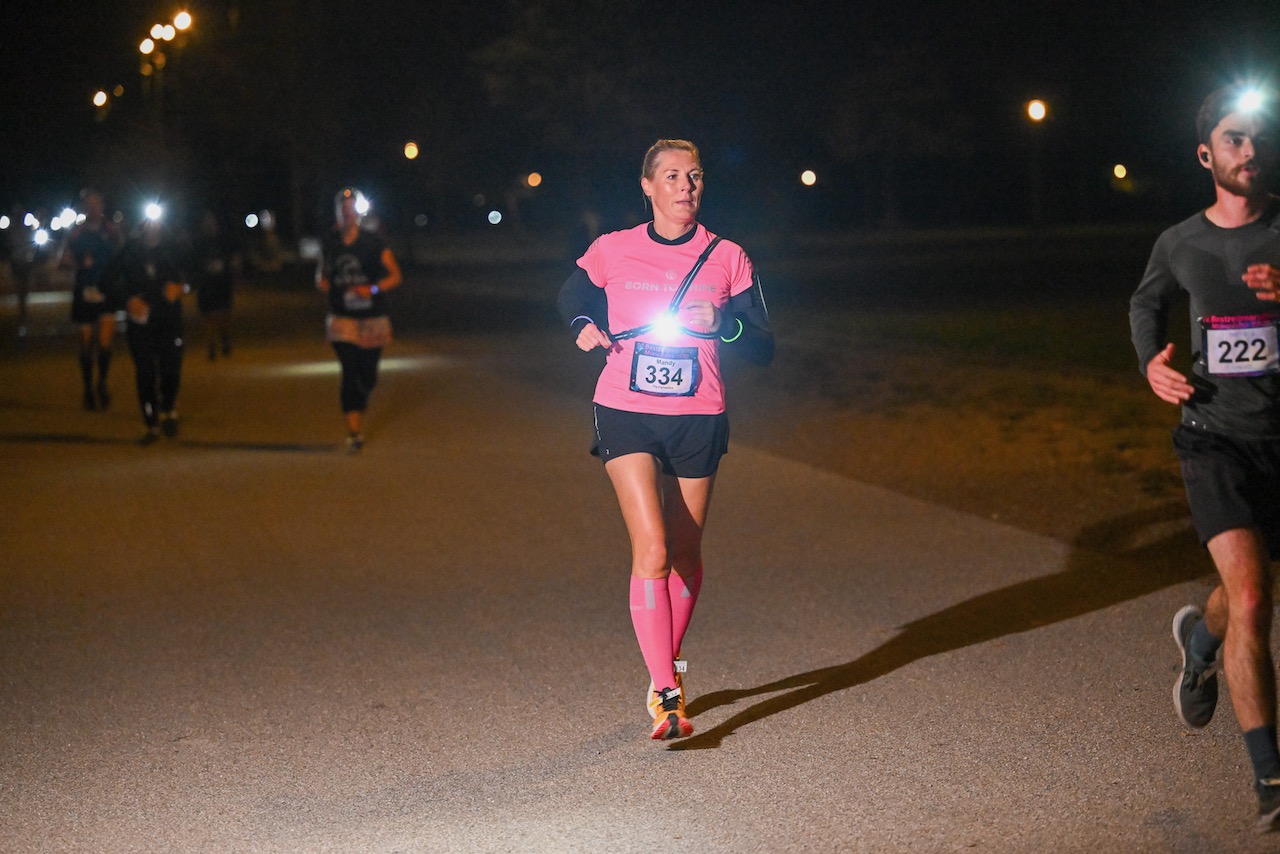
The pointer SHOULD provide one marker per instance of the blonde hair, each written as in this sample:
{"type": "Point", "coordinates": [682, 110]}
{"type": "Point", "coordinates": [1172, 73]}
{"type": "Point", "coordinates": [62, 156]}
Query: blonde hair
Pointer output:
{"type": "Point", "coordinates": [650, 164]}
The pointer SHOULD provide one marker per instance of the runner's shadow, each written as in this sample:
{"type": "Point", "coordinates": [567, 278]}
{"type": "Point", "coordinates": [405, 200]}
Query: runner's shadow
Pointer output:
{"type": "Point", "coordinates": [277, 447]}
{"type": "Point", "coordinates": [85, 439]}
{"type": "Point", "coordinates": [63, 439]}
{"type": "Point", "coordinates": [1109, 564]}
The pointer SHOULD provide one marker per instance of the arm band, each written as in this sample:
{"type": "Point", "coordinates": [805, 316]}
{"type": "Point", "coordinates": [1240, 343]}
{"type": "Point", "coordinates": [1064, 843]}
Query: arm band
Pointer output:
{"type": "Point", "coordinates": [737, 334]}
{"type": "Point", "coordinates": [753, 340]}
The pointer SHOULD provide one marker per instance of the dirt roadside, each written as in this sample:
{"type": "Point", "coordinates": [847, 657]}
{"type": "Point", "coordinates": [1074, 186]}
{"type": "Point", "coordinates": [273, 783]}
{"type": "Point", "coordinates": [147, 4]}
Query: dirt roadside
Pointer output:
{"type": "Point", "coordinates": [1041, 443]}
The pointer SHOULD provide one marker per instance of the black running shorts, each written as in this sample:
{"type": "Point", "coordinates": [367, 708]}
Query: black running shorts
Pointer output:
{"type": "Point", "coordinates": [685, 445]}
{"type": "Point", "coordinates": [1231, 483]}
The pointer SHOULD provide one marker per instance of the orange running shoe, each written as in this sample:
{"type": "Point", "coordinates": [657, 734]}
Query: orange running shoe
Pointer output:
{"type": "Point", "coordinates": [671, 721]}
{"type": "Point", "coordinates": [652, 703]}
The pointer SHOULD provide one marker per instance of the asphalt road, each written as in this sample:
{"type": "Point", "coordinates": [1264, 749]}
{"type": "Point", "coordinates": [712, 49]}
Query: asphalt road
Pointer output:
{"type": "Point", "coordinates": [245, 640]}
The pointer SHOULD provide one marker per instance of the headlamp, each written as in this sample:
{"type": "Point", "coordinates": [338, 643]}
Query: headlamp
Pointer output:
{"type": "Point", "coordinates": [1251, 100]}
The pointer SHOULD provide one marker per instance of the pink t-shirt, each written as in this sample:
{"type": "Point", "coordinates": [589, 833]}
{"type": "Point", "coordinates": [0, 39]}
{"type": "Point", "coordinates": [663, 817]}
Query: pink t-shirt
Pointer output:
{"type": "Point", "coordinates": [675, 374]}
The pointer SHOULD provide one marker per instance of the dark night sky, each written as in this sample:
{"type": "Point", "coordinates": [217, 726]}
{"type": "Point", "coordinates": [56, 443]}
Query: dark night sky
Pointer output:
{"type": "Point", "coordinates": [753, 83]}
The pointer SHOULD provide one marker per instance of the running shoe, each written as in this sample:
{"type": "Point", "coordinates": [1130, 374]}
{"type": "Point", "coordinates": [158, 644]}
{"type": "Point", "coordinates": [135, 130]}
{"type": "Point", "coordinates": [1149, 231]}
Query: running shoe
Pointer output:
{"type": "Point", "coordinates": [671, 721]}
{"type": "Point", "coordinates": [169, 423]}
{"type": "Point", "coordinates": [650, 696]}
{"type": "Point", "coordinates": [354, 443]}
{"type": "Point", "coordinates": [1268, 790]}
{"type": "Point", "coordinates": [1195, 694]}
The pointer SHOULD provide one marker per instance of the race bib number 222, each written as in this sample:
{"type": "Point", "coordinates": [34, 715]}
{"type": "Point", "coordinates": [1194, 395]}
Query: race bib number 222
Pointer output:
{"type": "Point", "coordinates": [1241, 346]}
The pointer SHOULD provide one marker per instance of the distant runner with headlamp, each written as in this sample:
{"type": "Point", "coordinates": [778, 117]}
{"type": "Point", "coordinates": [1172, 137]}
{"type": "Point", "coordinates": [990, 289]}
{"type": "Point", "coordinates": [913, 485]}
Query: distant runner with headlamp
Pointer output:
{"type": "Point", "coordinates": [676, 294]}
{"type": "Point", "coordinates": [356, 270]}
{"type": "Point", "coordinates": [1227, 259]}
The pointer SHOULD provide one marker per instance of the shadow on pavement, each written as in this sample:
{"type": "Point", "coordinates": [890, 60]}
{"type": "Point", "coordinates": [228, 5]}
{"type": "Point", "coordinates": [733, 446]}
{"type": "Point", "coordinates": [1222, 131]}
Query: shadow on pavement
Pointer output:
{"type": "Point", "coordinates": [84, 439]}
{"type": "Point", "coordinates": [63, 439]}
{"type": "Point", "coordinates": [1110, 563]}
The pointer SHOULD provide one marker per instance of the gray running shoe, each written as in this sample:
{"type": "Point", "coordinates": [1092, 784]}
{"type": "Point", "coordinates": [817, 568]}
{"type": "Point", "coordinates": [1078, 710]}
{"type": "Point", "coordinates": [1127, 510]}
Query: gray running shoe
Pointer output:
{"type": "Point", "coordinates": [1195, 694]}
{"type": "Point", "coordinates": [1268, 804]}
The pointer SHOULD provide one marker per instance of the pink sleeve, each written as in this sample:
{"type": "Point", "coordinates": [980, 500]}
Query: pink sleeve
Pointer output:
{"type": "Point", "coordinates": [740, 271]}
{"type": "Point", "coordinates": [594, 263]}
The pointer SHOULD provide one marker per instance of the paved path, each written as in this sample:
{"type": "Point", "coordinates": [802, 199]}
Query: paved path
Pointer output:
{"type": "Point", "coordinates": [244, 640]}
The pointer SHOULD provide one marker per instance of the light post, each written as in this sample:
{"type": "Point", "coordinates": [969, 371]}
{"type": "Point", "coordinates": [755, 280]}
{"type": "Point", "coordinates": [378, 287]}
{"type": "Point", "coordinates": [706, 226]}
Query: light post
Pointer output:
{"type": "Point", "coordinates": [1036, 111]}
{"type": "Point", "coordinates": [154, 60]}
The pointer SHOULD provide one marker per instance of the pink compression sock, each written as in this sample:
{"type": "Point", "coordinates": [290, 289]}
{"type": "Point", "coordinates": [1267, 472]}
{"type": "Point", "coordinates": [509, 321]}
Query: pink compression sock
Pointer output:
{"type": "Point", "coordinates": [651, 617]}
{"type": "Point", "coordinates": [684, 595]}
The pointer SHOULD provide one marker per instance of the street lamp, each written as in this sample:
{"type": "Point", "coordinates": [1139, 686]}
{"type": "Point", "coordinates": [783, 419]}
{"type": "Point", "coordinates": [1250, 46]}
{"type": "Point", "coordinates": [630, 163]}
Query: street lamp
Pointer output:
{"type": "Point", "coordinates": [1037, 111]}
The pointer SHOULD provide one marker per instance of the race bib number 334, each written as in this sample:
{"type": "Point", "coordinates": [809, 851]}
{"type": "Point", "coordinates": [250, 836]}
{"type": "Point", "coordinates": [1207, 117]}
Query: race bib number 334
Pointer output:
{"type": "Point", "coordinates": [1243, 346]}
{"type": "Point", "coordinates": [662, 370]}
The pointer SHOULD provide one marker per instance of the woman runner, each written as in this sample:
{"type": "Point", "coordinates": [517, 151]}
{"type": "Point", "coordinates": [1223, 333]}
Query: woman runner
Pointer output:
{"type": "Point", "coordinates": [660, 423]}
{"type": "Point", "coordinates": [356, 271]}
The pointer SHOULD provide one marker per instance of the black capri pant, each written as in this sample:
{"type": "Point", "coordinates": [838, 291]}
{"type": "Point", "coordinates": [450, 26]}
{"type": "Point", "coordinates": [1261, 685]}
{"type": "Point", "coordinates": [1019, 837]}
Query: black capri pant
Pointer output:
{"type": "Point", "coordinates": [359, 374]}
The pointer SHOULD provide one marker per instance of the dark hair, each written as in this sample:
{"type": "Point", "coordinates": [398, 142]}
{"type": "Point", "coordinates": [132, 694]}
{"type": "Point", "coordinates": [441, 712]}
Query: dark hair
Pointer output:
{"type": "Point", "coordinates": [650, 163]}
{"type": "Point", "coordinates": [1222, 102]}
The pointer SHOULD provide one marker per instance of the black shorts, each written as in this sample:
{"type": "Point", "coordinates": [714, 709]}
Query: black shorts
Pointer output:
{"type": "Point", "coordinates": [685, 445]}
{"type": "Point", "coordinates": [1231, 483]}
{"type": "Point", "coordinates": [85, 312]}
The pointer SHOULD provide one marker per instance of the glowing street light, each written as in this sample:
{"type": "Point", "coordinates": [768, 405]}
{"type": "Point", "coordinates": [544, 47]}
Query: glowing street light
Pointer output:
{"type": "Point", "coordinates": [167, 32]}
{"type": "Point", "coordinates": [411, 150]}
{"type": "Point", "coordinates": [1120, 171]}
{"type": "Point", "coordinates": [100, 98]}
{"type": "Point", "coordinates": [1037, 111]}
{"type": "Point", "coordinates": [182, 20]}
{"type": "Point", "coordinates": [533, 179]}
{"type": "Point", "coordinates": [146, 47]}
{"type": "Point", "coordinates": [157, 31]}
{"type": "Point", "coordinates": [808, 177]}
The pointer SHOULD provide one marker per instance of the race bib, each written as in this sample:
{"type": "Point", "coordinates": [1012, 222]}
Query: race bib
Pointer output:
{"type": "Point", "coordinates": [1242, 346]}
{"type": "Point", "coordinates": [354, 302]}
{"type": "Point", "coordinates": [672, 371]}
